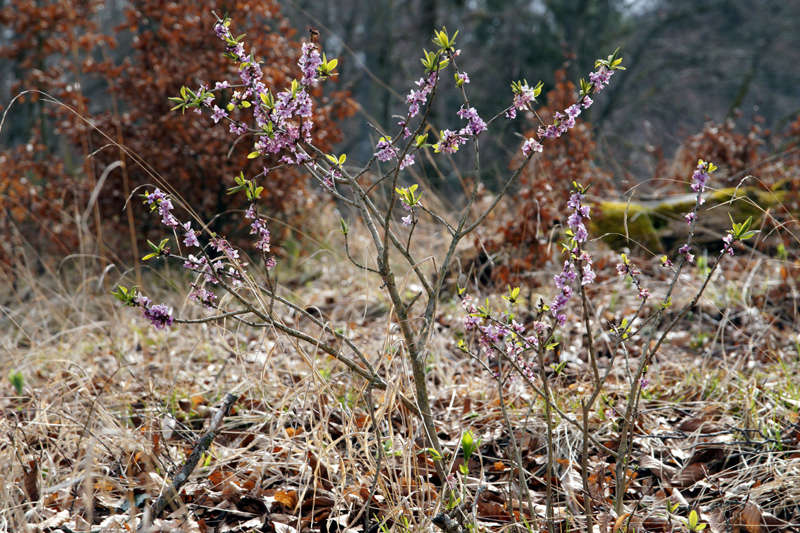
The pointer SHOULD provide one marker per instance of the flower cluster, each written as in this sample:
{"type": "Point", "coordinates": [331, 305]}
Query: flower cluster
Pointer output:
{"type": "Point", "coordinates": [626, 268]}
{"type": "Point", "coordinates": [385, 150]}
{"type": "Point", "coordinates": [563, 120]}
{"type": "Point", "coordinates": [418, 97]}
{"type": "Point", "coordinates": [686, 252]}
{"type": "Point", "coordinates": [475, 125]}
{"type": "Point", "coordinates": [507, 337]}
{"type": "Point", "coordinates": [159, 314]}
{"type": "Point", "coordinates": [158, 200]}
{"type": "Point", "coordinates": [531, 145]}
{"type": "Point", "coordinates": [600, 78]}
{"type": "Point", "coordinates": [578, 235]}
{"type": "Point", "coordinates": [211, 271]}
{"type": "Point", "coordinates": [563, 282]}
{"type": "Point", "coordinates": [727, 244]}
{"type": "Point", "coordinates": [524, 96]}
{"type": "Point", "coordinates": [203, 296]}
{"type": "Point", "coordinates": [189, 236]}
{"type": "Point", "coordinates": [280, 122]}
{"type": "Point", "coordinates": [579, 213]}
{"type": "Point", "coordinates": [700, 177]}
{"type": "Point", "coordinates": [450, 141]}
{"type": "Point", "coordinates": [309, 62]}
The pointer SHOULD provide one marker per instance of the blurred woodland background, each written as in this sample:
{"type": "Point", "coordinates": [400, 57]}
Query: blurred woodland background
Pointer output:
{"type": "Point", "coordinates": [713, 78]}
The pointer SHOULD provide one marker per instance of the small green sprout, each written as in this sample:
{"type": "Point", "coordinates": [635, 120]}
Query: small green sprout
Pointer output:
{"type": "Point", "coordinates": [513, 294]}
{"type": "Point", "coordinates": [17, 381]}
{"type": "Point", "coordinates": [693, 522]}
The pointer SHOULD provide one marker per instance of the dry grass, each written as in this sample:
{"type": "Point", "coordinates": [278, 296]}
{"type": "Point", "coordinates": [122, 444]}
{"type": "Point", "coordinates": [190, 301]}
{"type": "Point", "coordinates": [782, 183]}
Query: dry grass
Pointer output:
{"type": "Point", "coordinates": [110, 409]}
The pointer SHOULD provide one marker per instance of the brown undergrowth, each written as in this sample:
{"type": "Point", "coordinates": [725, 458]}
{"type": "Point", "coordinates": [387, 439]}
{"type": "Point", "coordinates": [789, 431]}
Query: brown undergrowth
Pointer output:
{"type": "Point", "coordinates": [108, 410]}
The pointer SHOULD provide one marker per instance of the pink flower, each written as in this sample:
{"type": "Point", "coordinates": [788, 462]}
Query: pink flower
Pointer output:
{"type": "Point", "coordinates": [531, 145]}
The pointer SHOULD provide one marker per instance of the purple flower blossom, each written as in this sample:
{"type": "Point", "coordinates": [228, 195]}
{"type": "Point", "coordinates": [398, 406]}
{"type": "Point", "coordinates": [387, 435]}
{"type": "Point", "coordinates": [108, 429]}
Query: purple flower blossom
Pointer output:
{"type": "Point", "coordinates": [700, 178]}
{"type": "Point", "coordinates": [407, 220]}
{"type": "Point", "coordinates": [462, 78]}
{"type": "Point", "coordinates": [589, 275]}
{"type": "Point", "coordinates": [218, 114]}
{"type": "Point", "coordinates": [221, 85]}
{"type": "Point", "coordinates": [221, 30]}
{"type": "Point", "coordinates": [573, 111]}
{"type": "Point", "coordinates": [309, 61]}
{"type": "Point", "coordinates": [224, 247]}
{"type": "Point", "coordinates": [727, 245]}
{"type": "Point", "coordinates": [407, 161]}
{"type": "Point", "coordinates": [165, 210]}
{"type": "Point", "coordinates": [155, 197]}
{"type": "Point", "coordinates": [579, 214]}
{"type": "Point", "coordinates": [523, 99]}
{"type": "Point", "coordinates": [475, 124]}
{"type": "Point", "coordinates": [259, 228]}
{"type": "Point", "coordinates": [690, 217]}
{"type": "Point", "coordinates": [531, 145]}
{"type": "Point", "coordinates": [159, 315]}
{"type": "Point", "coordinates": [385, 150]}
{"type": "Point", "coordinates": [203, 296]}
{"type": "Point", "coordinates": [417, 97]}
{"type": "Point", "coordinates": [449, 142]}
{"type": "Point", "coordinates": [190, 237]}
{"type": "Point", "coordinates": [600, 78]}
{"type": "Point", "coordinates": [237, 128]}
{"type": "Point", "coordinates": [686, 252]}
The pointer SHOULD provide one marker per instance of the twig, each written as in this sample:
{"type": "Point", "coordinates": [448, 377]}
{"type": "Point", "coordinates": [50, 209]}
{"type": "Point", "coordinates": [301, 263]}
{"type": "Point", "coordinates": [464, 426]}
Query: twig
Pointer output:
{"type": "Point", "coordinates": [199, 449]}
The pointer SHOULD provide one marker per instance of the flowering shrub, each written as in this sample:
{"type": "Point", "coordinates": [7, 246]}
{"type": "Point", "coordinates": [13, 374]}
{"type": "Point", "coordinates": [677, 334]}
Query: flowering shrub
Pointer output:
{"type": "Point", "coordinates": [522, 241]}
{"type": "Point", "coordinates": [279, 121]}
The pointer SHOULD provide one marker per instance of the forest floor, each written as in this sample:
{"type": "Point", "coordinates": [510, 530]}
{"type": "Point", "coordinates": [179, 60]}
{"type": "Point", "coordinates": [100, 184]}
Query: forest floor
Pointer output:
{"type": "Point", "coordinates": [108, 410]}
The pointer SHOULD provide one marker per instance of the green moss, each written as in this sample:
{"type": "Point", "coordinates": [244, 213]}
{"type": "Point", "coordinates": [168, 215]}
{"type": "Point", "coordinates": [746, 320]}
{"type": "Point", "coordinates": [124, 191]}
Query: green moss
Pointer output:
{"type": "Point", "coordinates": [614, 217]}
{"type": "Point", "coordinates": [747, 201]}
{"type": "Point", "coordinates": [653, 224]}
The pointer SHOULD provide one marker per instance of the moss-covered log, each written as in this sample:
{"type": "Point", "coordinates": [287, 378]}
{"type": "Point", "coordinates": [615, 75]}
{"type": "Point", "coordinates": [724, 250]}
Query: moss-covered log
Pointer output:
{"type": "Point", "coordinates": [659, 225]}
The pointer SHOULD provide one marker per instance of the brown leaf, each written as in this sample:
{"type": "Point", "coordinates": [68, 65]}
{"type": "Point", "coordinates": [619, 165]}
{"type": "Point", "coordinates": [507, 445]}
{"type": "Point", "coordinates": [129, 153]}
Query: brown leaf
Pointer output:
{"type": "Point", "coordinates": [499, 466]}
{"type": "Point", "coordinates": [750, 518]}
{"type": "Point", "coordinates": [30, 481]}
{"type": "Point", "coordinates": [689, 475]}
{"type": "Point", "coordinates": [492, 510]}
{"type": "Point", "coordinates": [287, 498]}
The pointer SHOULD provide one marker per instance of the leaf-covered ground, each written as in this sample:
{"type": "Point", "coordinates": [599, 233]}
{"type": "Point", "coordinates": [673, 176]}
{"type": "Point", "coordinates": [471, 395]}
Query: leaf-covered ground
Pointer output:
{"type": "Point", "coordinates": [108, 410]}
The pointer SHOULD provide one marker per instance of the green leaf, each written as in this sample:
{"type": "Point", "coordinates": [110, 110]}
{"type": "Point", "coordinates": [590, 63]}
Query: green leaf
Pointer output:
{"type": "Point", "coordinates": [253, 155]}
{"type": "Point", "coordinates": [433, 453]}
{"type": "Point", "coordinates": [345, 229]}
{"type": "Point", "coordinates": [17, 381]}
{"type": "Point", "coordinates": [149, 256]}
{"type": "Point", "coordinates": [693, 519]}
{"type": "Point", "coordinates": [468, 445]}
